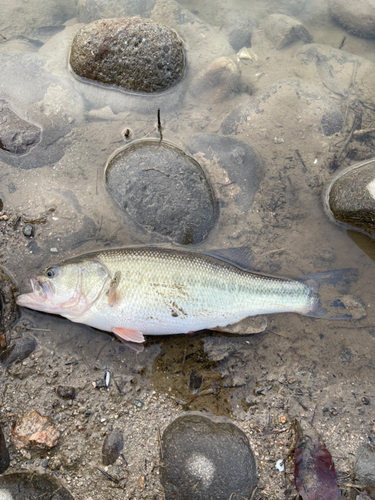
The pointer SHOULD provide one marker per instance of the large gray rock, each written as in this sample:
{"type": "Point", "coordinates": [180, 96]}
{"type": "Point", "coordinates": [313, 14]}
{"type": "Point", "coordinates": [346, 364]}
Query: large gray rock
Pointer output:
{"type": "Point", "coordinates": [92, 10]}
{"type": "Point", "coordinates": [132, 53]}
{"type": "Point", "coordinates": [30, 486]}
{"type": "Point", "coordinates": [206, 458]}
{"type": "Point", "coordinates": [163, 190]}
{"type": "Point", "coordinates": [18, 351]}
{"type": "Point", "coordinates": [352, 197]}
{"type": "Point", "coordinates": [239, 161]}
{"type": "Point", "coordinates": [238, 29]}
{"type": "Point", "coordinates": [357, 17]}
{"type": "Point", "coordinates": [365, 464]}
{"type": "Point", "coordinates": [283, 30]}
{"type": "Point", "coordinates": [287, 96]}
{"type": "Point", "coordinates": [16, 135]}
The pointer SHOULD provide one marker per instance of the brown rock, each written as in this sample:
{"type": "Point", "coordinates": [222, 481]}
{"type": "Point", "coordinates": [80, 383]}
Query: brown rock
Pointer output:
{"type": "Point", "coordinates": [218, 81]}
{"type": "Point", "coordinates": [35, 430]}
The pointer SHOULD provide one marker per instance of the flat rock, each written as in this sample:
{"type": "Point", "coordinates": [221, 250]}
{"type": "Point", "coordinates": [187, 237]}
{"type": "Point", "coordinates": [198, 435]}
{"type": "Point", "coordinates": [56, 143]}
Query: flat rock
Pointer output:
{"type": "Point", "coordinates": [112, 447]}
{"type": "Point", "coordinates": [365, 464]}
{"type": "Point", "coordinates": [307, 101]}
{"type": "Point", "coordinates": [352, 197]}
{"type": "Point", "coordinates": [18, 351]}
{"type": "Point", "coordinates": [34, 430]}
{"type": "Point", "coordinates": [218, 81]}
{"type": "Point", "coordinates": [357, 17]}
{"type": "Point", "coordinates": [30, 486]}
{"type": "Point", "coordinates": [283, 30]}
{"type": "Point", "coordinates": [92, 10]}
{"type": "Point", "coordinates": [238, 161]}
{"type": "Point", "coordinates": [206, 458]}
{"type": "Point", "coordinates": [17, 136]}
{"type": "Point", "coordinates": [163, 190]}
{"type": "Point", "coordinates": [131, 53]}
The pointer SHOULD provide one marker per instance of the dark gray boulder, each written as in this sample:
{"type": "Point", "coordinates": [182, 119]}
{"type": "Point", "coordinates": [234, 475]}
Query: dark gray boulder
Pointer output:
{"type": "Point", "coordinates": [17, 136]}
{"type": "Point", "coordinates": [30, 486]}
{"type": "Point", "coordinates": [20, 350]}
{"type": "Point", "coordinates": [162, 189]}
{"type": "Point", "coordinates": [206, 458]}
{"type": "Point", "coordinates": [4, 453]}
{"type": "Point", "coordinates": [238, 159]}
{"type": "Point", "coordinates": [351, 197]}
{"type": "Point", "coordinates": [238, 29]}
{"type": "Point", "coordinates": [365, 464]}
{"type": "Point", "coordinates": [298, 97]}
{"type": "Point", "coordinates": [130, 53]}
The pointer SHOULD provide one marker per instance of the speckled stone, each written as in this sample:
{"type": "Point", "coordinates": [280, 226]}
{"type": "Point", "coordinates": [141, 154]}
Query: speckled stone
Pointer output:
{"type": "Point", "coordinates": [352, 198]}
{"type": "Point", "coordinates": [206, 458]}
{"type": "Point", "coordinates": [131, 53]}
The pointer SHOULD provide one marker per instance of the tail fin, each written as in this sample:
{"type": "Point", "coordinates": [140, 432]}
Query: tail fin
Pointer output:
{"type": "Point", "coordinates": [331, 289]}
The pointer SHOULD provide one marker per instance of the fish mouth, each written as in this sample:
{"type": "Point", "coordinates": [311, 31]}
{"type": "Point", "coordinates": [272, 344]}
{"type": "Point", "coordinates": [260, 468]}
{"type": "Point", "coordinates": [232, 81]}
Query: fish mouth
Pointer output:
{"type": "Point", "coordinates": [41, 293]}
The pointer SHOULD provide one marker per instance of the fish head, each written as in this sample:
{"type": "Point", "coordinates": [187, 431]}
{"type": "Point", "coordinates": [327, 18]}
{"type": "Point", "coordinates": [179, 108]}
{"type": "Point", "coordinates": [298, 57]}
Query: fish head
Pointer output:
{"type": "Point", "coordinates": [68, 289]}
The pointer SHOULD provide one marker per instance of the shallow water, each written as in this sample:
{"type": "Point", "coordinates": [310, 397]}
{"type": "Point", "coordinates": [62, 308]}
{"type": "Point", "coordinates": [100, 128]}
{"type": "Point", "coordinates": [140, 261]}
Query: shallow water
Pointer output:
{"type": "Point", "coordinates": [60, 189]}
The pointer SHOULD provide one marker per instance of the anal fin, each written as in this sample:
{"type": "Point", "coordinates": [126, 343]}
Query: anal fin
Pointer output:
{"type": "Point", "coordinates": [129, 334]}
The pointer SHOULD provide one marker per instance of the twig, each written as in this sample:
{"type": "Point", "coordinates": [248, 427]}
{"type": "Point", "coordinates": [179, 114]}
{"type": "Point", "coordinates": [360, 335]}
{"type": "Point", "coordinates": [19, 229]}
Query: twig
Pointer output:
{"type": "Point", "coordinates": [272, 251]}
{"type": "Point", "coordinates": [364, 131]}
{"type": "Point", "coordinates": [108, 476]}
{"type": "Point", "coordinates": [342, 42]}
{"type": "Point", "coordinates": [160, 128]}
{"type": "Point", "coordinates": [2, 36]}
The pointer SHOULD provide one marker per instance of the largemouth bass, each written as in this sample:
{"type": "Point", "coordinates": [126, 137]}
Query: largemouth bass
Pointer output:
{"type": "Point", "coordinates": [134, 292]}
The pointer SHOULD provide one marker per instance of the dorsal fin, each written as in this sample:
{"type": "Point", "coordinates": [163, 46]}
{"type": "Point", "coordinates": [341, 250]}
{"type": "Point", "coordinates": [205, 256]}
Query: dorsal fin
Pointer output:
{"type": "Point", "coordinates": [241, 257]}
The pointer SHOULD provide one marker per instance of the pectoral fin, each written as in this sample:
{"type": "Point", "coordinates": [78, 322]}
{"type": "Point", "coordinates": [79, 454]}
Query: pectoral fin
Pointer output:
{"type": "Point", "coordinates": [129, 334]}
{"type": "Point", "coordinates": [112, 293]}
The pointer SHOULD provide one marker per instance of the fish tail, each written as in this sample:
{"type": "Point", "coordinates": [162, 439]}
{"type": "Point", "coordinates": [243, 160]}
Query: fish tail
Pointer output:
{"type": "Point", "coordinates": [330, 295]}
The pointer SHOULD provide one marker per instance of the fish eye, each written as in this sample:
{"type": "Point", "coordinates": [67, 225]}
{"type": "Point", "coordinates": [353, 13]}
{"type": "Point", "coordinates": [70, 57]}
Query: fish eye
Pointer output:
{"type": "Point", "coordinates": [50, 272]}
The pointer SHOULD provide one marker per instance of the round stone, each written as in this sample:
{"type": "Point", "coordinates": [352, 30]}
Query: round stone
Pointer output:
{"type": "Point", "coordinates": [131, 53]}
{"type": "Point", "coordinates": [32, 485]}
{"type": "Point", "coordinates": [206, 457]}
{"type": "Point", "coordinates": [352, 197]}
{"type": "Point", "coordinates": [162, 189]}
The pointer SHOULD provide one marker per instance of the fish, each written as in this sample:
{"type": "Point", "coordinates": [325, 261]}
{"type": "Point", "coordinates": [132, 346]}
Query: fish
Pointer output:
{"type": "Point", "coordinates": [133, 292]}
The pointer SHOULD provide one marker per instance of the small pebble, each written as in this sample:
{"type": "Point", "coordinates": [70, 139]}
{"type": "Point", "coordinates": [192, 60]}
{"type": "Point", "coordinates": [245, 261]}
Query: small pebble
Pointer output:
{"type": "Point", "coordinates": [28, 230]}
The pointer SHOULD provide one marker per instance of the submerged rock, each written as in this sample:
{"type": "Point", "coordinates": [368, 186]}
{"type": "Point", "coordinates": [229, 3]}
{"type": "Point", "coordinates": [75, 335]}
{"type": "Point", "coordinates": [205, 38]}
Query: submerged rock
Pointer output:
{"type": "Point", "coordinates": [92, 10]}
{"type": "Point", "coordinates": [357, 17]}
{"type": "Point", "coordinates": [218, 81]}
{"type": "Point", "coordinates": [238, 29]}
{"type": "Point", "coordinates": [17, 136]}
{"type": "Point", "coordinates": [365, 464]}
{"type": "Point", "coordinates": [283, 30]}
{"type": "Point", "coordinates": [30, 486]}
{"type": "Point", "coordinates": [112, 447]}
{"type": "Point", "coordinates": [17, 352]}
{"type": "Point", "coordinates": [132, 53]}
{"type": "Point", "coordinates": [206, 457]}
{"type": "Point", "coordinates": [164, 190]}
{"type": "Point", "coordinates": [352, 197]}
{"type": "Point", "coordinates": [34, 430]}
{"type": "Point", "coordinates": [302, 99]}
{"type": "Point", "coordinates": [239, 163]}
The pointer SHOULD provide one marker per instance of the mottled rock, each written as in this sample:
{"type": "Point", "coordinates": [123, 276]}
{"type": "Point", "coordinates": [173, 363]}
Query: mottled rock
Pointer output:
{"type": "Point", "coordinates": [28, 230]}
{"type": "Point", "coordinates": [283, 30]}
{"type": "Point", "coordinates": [30, 486]}
{"type": "Point", "coordinates": [17, 136]}
{"type": "Point", "coordinates": [4, 453]}
{"type": "Point", "coordinates": [238, 30]}
{"type": "Point", "coordinates": [357, 17]}
{"type": "Point", "coordinates": [34, 430]}
{"type": "Point", "coordinates": [352, 197]}
{"type": "Point", "coordinates": [91, 10]}
{"type": "Point", "coordinates": [300, 98]}
{"type": "Point", "coordinates": [365, 464]}
{"type": "Point", "coordinates": [163, 190]}
{"type": "Point", "coordinates": [217, 82]}
{"type": "Point", "coordinates": [66, 392]}
{"type": "Point", "coordinates": [132, 53]}
{"type": "Point", "coordinates": [112, 447]}
{"type": "Point", "coordinates": [239, 163]}
{"type": "Point", "coordinates": [206, 457]}
{"type": "Point", "coordinates": [18, 351]}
